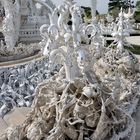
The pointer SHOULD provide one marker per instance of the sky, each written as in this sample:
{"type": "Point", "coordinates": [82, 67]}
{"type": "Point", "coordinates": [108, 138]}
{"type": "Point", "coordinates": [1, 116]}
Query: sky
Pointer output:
{"type": "Point", "coordinates": [102, 5]}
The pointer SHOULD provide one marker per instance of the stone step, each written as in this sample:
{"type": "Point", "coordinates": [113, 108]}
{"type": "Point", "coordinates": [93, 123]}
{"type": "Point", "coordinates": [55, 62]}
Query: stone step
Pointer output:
{"type": "Point", "coordinates": [24, 110]}
{"type": "Point", "coordinates": [138, 56]}
{"type": "Point", "coordinates": [3, 126]}
{"type": "Point", "coordinates": [17, 116]}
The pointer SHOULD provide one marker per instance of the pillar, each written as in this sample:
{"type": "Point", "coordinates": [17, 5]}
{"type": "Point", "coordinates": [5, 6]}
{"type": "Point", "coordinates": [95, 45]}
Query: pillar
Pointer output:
{"type": "Point", "coordinates": [93, 8]}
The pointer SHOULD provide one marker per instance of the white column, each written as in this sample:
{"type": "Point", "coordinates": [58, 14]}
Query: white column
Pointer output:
{"type": "Point", "coordinates": [93, 8]}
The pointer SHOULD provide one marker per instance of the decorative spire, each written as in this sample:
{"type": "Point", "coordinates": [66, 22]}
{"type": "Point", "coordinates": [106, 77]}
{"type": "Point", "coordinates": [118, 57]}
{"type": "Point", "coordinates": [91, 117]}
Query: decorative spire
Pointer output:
{"type": "Point", "coordinates": [93, 8]}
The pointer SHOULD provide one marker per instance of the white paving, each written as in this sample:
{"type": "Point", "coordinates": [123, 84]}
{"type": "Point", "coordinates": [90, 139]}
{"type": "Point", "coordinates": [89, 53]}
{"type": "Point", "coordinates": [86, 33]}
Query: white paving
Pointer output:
{"type": "Point", "coordinates": [14, 118]}
{"type": "Point", "coordinates": [135, 40]}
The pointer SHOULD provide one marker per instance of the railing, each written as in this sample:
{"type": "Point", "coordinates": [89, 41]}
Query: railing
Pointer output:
{"type": "Point", "coordinates": [29, 35]}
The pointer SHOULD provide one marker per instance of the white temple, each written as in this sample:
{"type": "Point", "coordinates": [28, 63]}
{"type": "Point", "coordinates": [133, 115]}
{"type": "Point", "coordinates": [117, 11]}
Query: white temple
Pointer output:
{"type": "Point", "coordinates": [25, 18]}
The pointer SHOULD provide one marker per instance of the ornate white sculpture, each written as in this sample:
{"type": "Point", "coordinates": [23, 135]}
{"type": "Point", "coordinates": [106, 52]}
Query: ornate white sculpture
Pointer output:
{"type": "Point", "coordinates": [10, 27]}
{"type": "Point", "coordinates": [129, 20]}
{"type": "Point", "coordinates": [88, 98]}
{"type": "Point", "coordinates": [18, 84]}
{"type": "Point", "coordinates": [109, 18]}
{"type": "Point", "coordinates": [76, 21]}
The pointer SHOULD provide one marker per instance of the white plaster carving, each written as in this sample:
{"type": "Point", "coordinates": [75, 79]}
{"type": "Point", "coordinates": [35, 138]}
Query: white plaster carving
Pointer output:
{"type": "Point", "coordinates": [96, 91]}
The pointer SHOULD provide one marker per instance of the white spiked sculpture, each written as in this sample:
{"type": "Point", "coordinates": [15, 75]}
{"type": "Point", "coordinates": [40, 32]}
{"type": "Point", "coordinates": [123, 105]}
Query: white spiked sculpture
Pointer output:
{"type": "Point", "coordinates": [121, 33]}
{"type": "Point", "coordinates": [129, 19]}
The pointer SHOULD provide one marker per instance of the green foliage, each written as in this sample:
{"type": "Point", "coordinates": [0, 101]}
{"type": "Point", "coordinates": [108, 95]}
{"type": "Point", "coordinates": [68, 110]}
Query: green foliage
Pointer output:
{"type": "Point", "coordinates": [115, 5]}
{"type": "Point", "coordinates": [136, 49]}
{"type": "Point", "coordinates": [137, 12]}
{"type": "Point", "coordinates": [138, 6]}
{"type": "Point", "coordinates": [120, 3]}
{"type": "Point", "coordinates": [87, 11]}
